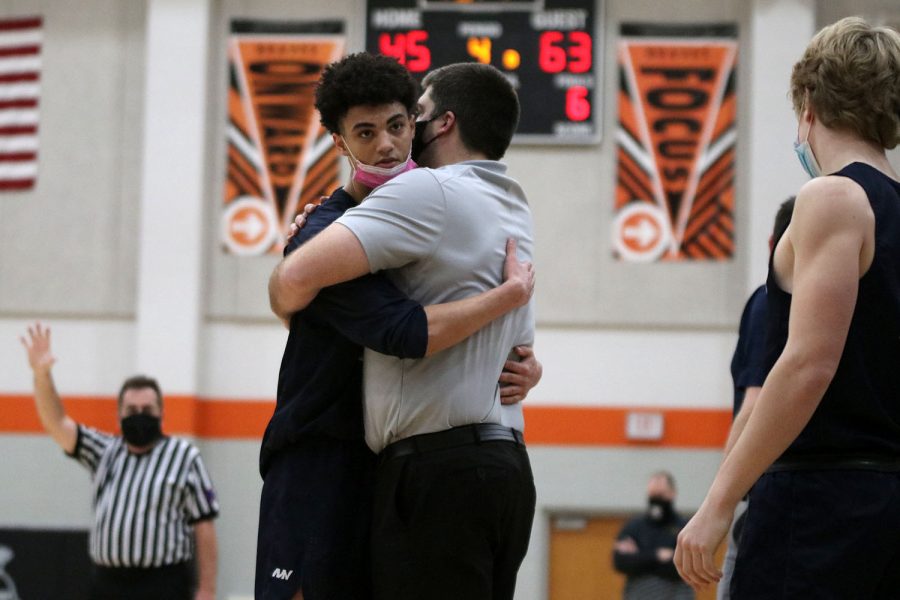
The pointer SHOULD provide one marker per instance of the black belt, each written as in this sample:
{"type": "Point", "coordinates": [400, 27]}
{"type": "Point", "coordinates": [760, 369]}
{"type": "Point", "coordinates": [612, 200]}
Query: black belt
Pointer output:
{"type": "Point", "coordinates": [452, 438]}
{"type": "Point", "coordinates": [884, 464]}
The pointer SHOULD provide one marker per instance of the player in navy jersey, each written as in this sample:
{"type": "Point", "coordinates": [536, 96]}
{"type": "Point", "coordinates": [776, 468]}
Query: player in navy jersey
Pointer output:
{"type": "Point", "coordinates": [748, 372]}
{"type": "Point", "coordinates": [454, 494]}
{"type": "Point", "coordinates": [318, 472]}
{"type": "Point", "coordinates": [823, 440]}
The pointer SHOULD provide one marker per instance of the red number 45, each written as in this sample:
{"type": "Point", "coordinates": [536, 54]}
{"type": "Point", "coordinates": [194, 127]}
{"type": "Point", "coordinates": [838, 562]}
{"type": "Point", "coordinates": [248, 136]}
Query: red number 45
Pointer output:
{"type": "Point", "coordinates": [408, 48]}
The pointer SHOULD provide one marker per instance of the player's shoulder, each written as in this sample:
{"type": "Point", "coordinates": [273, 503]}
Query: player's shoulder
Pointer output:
{"type": "Point", "coordinates": [421, 176]}
{"type": "Point", "coordinates": [833, 200]}
{"type": "Point", "coordinates": [757, 298]}
{"type": "Point", "coordinates": [831, 189]}
{"type": "Point", "coordinates": [414, 189]}
{"type": "Point", "coordinates": [755, 305]}
{"type": "Point", "coordinates": [467, 169]}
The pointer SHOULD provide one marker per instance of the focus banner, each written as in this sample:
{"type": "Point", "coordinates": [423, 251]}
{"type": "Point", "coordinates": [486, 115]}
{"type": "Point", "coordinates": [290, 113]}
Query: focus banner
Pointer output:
{"type": "Point", "coordinates": [279, 157]}
{"type": "Point", "coordinates": [675, 143]}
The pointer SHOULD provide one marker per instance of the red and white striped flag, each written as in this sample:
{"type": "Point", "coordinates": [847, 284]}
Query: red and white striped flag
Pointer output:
{"type": "Point", "coordinates": [20, 73]}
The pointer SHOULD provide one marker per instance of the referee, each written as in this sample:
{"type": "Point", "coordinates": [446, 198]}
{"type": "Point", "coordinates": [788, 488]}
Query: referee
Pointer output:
{"type": "Point", "coordinates": [151, 492]}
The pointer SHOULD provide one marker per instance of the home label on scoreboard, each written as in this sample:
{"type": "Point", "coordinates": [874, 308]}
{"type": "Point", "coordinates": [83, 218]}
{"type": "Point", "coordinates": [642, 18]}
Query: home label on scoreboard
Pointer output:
{"type": "Point", "coordinates": [546, 48]}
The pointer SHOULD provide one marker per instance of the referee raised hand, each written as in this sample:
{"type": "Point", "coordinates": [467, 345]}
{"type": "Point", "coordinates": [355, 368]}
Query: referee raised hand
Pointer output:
{"type": "Point", "coordinates": [152, 493]}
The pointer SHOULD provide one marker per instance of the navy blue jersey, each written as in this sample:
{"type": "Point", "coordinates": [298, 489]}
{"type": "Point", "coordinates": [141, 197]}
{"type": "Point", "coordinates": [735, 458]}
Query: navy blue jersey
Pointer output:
{"type": "Point", "coordinates": [320, 381]}
{"type": "Point", "coordinates": [859, 414]}
{"type": "Point", "coordinates": [748, 364]}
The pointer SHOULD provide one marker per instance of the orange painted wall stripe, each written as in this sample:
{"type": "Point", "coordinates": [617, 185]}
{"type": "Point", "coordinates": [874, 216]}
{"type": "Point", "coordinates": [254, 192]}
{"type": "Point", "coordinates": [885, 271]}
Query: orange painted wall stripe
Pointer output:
{"type": "Point", "coordinates": [605, 426]}
{"type": "Point", "coordinates": [247, 419]}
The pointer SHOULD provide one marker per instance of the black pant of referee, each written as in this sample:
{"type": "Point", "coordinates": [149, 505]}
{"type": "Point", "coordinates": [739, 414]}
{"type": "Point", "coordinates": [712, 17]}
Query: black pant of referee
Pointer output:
{"type": "Point", "coordinates": [170, 582]}
{"type": "Point", "coordinates": [452, 515]}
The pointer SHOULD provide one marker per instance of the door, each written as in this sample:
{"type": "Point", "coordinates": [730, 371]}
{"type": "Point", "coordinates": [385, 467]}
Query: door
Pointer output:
{"type": "Point", "coordinates": [581, 558]}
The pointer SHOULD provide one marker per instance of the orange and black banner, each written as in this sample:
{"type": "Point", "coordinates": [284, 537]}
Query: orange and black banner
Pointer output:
{"type": "Point", "coordinates": [279, 156]}
{"type": "Point", "coordinates": [676, 143]}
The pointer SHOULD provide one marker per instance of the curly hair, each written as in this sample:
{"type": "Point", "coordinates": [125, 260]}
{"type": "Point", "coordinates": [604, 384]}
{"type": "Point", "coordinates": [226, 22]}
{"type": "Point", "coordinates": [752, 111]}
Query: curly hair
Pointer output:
{"type": "Point", "coordinates": [362, 79]}
{"type": "Point", "coordinates": [851, 73]}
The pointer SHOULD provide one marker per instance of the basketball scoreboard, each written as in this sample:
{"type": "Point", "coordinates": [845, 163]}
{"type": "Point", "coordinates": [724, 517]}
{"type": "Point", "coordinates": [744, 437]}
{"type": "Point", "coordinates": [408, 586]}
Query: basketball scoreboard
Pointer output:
{"type": "Point", "coordinates": [546, 48]}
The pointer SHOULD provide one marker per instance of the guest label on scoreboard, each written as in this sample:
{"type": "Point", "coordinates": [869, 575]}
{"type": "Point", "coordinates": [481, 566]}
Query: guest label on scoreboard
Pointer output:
{"type": "Point", "coordinates": [546, 48]}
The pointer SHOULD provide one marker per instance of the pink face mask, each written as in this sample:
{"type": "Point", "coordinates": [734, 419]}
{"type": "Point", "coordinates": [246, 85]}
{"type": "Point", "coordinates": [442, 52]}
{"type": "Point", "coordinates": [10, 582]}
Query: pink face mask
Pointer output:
{"type": "Point", "coordinates": [372, 176]}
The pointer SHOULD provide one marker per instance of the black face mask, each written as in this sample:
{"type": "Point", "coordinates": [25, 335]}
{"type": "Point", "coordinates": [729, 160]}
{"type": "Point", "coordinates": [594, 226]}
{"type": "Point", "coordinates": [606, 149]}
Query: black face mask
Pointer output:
{"type": "Point", "coordinates": [418, 143]}
{"type": "Point", "coordinates": [141, 429]}
{"type": "Point", "coordinates": [659, 509]}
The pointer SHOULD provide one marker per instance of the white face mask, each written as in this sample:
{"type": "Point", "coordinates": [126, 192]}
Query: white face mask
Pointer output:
{"type": "Point", "coordinates": [372, 176]}
{"type": "Point", "coordinates": [807, 158]}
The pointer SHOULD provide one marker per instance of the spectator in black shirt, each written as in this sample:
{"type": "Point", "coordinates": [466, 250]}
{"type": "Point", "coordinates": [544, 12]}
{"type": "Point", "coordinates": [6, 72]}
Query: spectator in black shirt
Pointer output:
{"type": "Point", "coordinates": [645, 546]}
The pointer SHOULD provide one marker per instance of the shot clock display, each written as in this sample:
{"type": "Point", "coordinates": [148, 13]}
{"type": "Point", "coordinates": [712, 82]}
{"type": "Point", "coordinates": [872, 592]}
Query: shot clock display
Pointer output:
{"type": "Point", "coordinates": [545, 47]}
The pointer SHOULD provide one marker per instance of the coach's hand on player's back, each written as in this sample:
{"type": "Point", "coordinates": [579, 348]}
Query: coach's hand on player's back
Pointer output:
{"type": "Point", "coordinates": [518, 274]}
{"type": "Point", "coordinates": [300, 219]}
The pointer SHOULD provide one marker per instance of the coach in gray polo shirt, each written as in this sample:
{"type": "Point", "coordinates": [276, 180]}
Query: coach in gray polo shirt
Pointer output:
{"type": "Point", "coordinates": [454, 494]}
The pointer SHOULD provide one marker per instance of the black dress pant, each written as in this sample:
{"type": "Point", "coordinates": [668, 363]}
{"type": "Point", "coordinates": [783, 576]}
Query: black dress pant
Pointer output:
{"type": "Point", "coordinates": [172, 582]}
{"type": "Point", "coordinates": [452, 524]}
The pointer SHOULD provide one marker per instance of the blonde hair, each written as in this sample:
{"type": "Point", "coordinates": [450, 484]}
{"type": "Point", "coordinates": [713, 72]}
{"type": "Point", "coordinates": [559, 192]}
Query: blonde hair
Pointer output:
{"type": "Point", "coordinates": [851, 73]}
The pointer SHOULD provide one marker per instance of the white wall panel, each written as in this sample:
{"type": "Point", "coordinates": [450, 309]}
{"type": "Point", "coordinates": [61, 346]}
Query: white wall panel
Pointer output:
{"type": "Point", "coordinates": [170, 282]}
{"type": "Point", "coordinates": [67, 247]}
{"type": "Point", "coordinates": [684, 369]}
{"type": "Point", "coordinates": [242, 360]}
{"type": "Point", "coordinates": [92, 357]}
{"type": "Point", "coordinates": [42, 488]}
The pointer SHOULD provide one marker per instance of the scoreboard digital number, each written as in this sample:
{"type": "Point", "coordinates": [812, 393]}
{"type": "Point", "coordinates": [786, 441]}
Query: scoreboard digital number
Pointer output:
{"type": "Point", "coordinates": [546, 48]}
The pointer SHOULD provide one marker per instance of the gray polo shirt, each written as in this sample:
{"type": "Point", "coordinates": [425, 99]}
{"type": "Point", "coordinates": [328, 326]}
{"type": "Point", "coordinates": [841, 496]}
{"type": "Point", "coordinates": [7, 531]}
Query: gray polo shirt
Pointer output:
{"type": "Point", "coordinates": [441, 234]}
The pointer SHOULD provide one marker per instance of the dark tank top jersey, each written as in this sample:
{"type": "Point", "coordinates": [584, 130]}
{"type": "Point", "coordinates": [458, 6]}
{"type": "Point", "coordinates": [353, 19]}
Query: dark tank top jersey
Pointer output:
{"type": "Point", "coordinates": [859, 415]}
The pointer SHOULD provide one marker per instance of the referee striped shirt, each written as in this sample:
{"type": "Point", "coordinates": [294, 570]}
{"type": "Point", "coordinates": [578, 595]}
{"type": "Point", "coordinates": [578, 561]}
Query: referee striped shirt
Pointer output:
{"type": "Point", "coordinates": [144, 504]}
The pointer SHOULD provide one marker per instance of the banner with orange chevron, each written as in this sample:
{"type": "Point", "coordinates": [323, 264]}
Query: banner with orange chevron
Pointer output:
{"type": "Point", "coordinates": [279, 156]}
{"type": "Point", "coordinates": [675, 143]}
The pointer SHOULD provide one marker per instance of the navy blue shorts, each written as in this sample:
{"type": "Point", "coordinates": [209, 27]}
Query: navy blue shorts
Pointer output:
{"type": "Point", "coordinates": [314, 521]}
{"type": "Point", "coordinates": [830, 534]}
